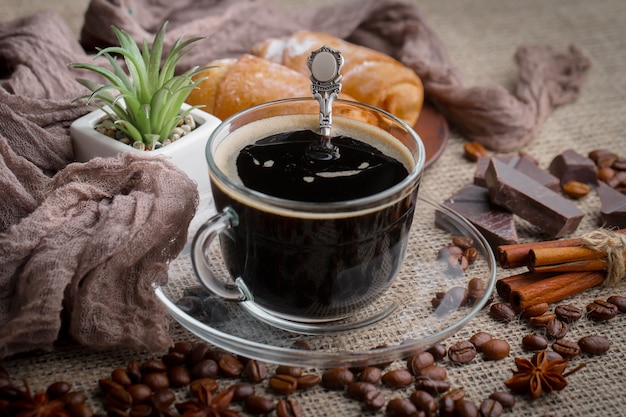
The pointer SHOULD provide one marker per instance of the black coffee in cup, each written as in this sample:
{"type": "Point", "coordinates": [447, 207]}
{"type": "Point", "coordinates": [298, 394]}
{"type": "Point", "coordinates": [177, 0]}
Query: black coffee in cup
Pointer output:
{"type": "Point", "coordinates": [316, 264]}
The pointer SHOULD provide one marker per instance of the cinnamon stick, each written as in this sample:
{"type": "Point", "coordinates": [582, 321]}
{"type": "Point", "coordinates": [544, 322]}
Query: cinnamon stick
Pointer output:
{"type": "Point", "coordinates": [552, 256]}
{"type": "Point", "coordinates": [505, 286]}
{"type": "Point", "coordinates": [581, 266]}
{"type": "Point", "coordinates": [555, 288]}
{"type": "Point", "coordinates": [516, 255]}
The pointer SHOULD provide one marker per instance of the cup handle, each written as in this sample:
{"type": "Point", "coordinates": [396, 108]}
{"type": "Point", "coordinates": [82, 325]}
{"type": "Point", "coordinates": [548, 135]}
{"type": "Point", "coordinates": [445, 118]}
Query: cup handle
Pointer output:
{"type": "Point", "coordinates": [199, 255]}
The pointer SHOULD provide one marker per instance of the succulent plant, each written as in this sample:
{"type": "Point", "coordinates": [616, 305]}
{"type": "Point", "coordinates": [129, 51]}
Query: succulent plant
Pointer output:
{"type": "Point", "coordinates": [145, 103]}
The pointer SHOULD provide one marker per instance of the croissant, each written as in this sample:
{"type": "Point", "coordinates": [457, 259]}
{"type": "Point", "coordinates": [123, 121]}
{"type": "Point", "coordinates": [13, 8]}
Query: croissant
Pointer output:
{"type": "Point", "coordinates": [234, 84]}
{"type": "Point", "coordinates": [369, 76]}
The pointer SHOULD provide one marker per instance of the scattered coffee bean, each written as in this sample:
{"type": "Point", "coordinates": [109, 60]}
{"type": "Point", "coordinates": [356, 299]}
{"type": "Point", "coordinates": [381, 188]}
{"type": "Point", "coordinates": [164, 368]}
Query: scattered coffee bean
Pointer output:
{"type": "Point", "coordinates": [619, 301]}
{"type": "Point", "coordinates": [308, 381]}
{"type": "Point", "coordinates": [283, 384]}
{"type": "Point", "coordinates": [230, 366]}
{"type": "Point", "coordinates": [242, 390]}
{"type": "Point", "coordinates": [419, 360]}
{"type": "Point", "coordinates": [478, 339]}
{"type": "Point", "coordinates": [432, 386]}
{"type": "Point", "coordinates": [294, 371]}
{"type": "Point", "coordinates": [594, 344]}
{"type": "Point", "coordinates": [506, 399]}
{"type": "Point", "coordinates": [134, 371]}
{"type": "Point", "coordinates": [566, 348]}
{"type": "Point", "coordinates": [535, 310]}
{"type": "Point", "coordinates": [447, 407]}
{"type": "Point", "coordinates": [140, 393]}
{"type": "Point", "coordinates": [371, 374]}
{"type": "Point", "coordinates": [475, 289]}
{"type": "Point", "coordinates": [502, 312]}
{"type": "Point", "coordinates": [156, 380]}
{"type": "Point", "coordinates": [255, 371]}
{"type": "Point", "coordinates": [256, 404]}
{"type": "Point", "coordinates": [456, 394]}
{"type": "Point", "coordinates": [288, 408]}
{"type": "Point", "coordinates": [357, 389]}
{"type": "Point", "coordinates": [164, 399]}
{"type": "Point", "coordinates": [462, 352]}
{"type": "Point", "coordinates": [435, 372]}
{"type": "Point", "coordinates": [576, 189]}
{"type": "Point", "coordinates": [397, 378]}
{"type": "Point", "coordinates": [153, 365]}
{"type": "Point", "coordinates": [337, 378]}
{"type": "Point", "coordinates": [490, 408]}
{"type": "Point", "coordinates": [118, 398]}
{"type": "Point", "coordinates": [534, 341]}
{"type": "Point", "coordinates": [121, 377]}
{"type": "Point", "coordinates": [58, 389]}
{"type": "Point", "coordinates": [425, 402]}
{"type": "Point", "coordinates": [556, 329]}
{"type": "Point", "coordinates": [438, 351]}
{"type": "Point", "coordinates": [179, 376]}
{"type": "Point", "coordinates": [496, 349]}
{"type": "Point", "coordinates": [451, 300]}
{"type": "Point", "coordinates": [568, 313]}
{"type": "Point", "coordinates": [473, 151]}
{"type": "Point", "coordinates": [465, 408]}
{"type": "Point", "coordinates": [541, 321]}
{"type": "Point", "coordinates": [374, 400]}
{"type": "Point", "coordinates": [601, 310]}
{"type": "Point", "coordinates": [401, 407]}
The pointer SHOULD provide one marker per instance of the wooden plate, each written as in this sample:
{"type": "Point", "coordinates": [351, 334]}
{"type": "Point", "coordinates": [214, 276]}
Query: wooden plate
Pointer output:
{"type": "Point", "coordinates": [432, 127]}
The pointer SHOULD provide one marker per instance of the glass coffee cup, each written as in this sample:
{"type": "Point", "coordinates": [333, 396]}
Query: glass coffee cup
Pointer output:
{"type": "Point", "coordinates": [307, 240]}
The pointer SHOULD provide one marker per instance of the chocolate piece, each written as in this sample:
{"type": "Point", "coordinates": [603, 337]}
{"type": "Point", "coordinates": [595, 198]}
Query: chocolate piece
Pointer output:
{"type": "Point", "coordinates": [495, 223]}
{"type": "Point", "coordinates": [570, 165]}
{"type": "Point", "coordinates": [524, 164]}
{"type": "Point", "coordinates": [530, 200]}
{"type": "Point", "coordinates": [612, 206]}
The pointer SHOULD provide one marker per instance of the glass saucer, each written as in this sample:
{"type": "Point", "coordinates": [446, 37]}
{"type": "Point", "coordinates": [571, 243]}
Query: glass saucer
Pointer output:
{"type": "Point", "coordinates": [403, 321]}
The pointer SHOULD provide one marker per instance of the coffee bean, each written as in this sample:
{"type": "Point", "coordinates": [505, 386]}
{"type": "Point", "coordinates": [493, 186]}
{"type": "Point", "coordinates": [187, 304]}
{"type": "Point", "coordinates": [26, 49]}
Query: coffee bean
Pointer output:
{"type": "Point", "coordinates": [79, 410]}
{"type": "Point", "coordinates": [435, 372]}
{"type": "Point", "coordinates": [374, 400]}
{"type": "Point", "coordinates": [294, 371]}
{"type": "Point", "coordinates": [605, 174]}
{"type": "Point", "coordinates": [230, 366]}
{"type": "Point", "coordinates": [288, 408]}
{"type": "Point", "coordinates": [357, 389]}
{"type": "Point", "coordinates": [133, 369]}
{"type": "Point", "coordinates": [420, 360]}
{"type": "Point", "coordinates": [502, 312]}
{"type": "Point", "coordinates": [566, 348]}
{"type": "Point", "coordinates": [619, 301]}
{"type": "Point", "coordinates": [432, 386]}
{"type": "Point", "coordinates": [140, 410]}
{"type": "Point", "coordinates": [602, 157]}
{"type": "Point", "coordinates": [475, 289]}
{"type": "Point", "coordinates": [140, 393]}
{"type": "Point", "coordinates": [283, 384]}
{"type": "Point", "coordinates": [473, 151]}
{"type": "Point", "coordinates": [550, 356]}
{"type": "Point", "coordinates": [242, 390]}
{"type": "Point", "coordinates": [456, 394]}
{"type": "Point", "coordinates": [308, 381]}
{"type": "Point", "coordinates": [601, 310]}
{"type": "Point", "coordinates": [73, 397]}
{"type": "Point", "coordinates": [445, 252]}
{"type": "Point", "coordinates": [255, 371]}
{"type": "Point", "coordinates": [58, 389]}
{"type": "Point", "coordinates": [173, 358]}
{"type": "Point", "coordinates": [576, 189]}
{"type": "Point", "coordinates": [535, 310]}
{"type": "Point", "coordinates": [496, 349]}
{"type": "Point", "coordinates": [425, 402]}
{"type": "Point", "coordinates": [556, 329]}
{"type": "Point", "coordinates": [471, 254]}
{"type": "Point", "coordinates": [462, 352]}
{"type": "Point", "coordinates": [199, 352]}
{"type": "Point", "coordinates": [121, 377]}
{"type": "Point", "coordinates": [447, 407]}
{"type": "Point", "coordinates": [465, 408]}
{"type": "Point", "coordinates": [107, 384]}
{"type": "Point", "coordinates": [450, 301]}
{"type": "Point", "coordinates": [179, 376]}
{"type": "Point", "coordinates": [568, 313]}
{"type": "Point", "coordinates": [205, 368]}
{"type": "Point", "coordinates": [541, 321]}
{"type": "Point", "coordinates": [183, 347]}
{"type": "Point", "coordinates": [478, 339]}
{"type": "Point", "coordinates": [534, 341]}
{"type": "Point", "coordinates": [156, 380]}
{"type": "Point", "coordinates": [153, 365]}
{"type": "Point", "coordinates": [337, 378]}
{"type": "Point", "coordinates": [164, 398]}
{"type": "Point", "coordinates": [118, 398]}
{"type": "Point", "coordinates": [401, 407]}
{"type": "Point", "coordinates": [506, 399]}
{"type": "Point", "coordinates": [438, 351]}
{"type": "Point", "coordinates": [490, 408]}
{"type": "Point", "coordinates": [256, 404]}
{"type": "Point", "coordinates": [594, 344]}
{"type": "Point", "coordinates": [463, 242]}
{"type": "Point", "coordinates": [397, 378]}
{"type": "Point", "coordinates": [371, 374]}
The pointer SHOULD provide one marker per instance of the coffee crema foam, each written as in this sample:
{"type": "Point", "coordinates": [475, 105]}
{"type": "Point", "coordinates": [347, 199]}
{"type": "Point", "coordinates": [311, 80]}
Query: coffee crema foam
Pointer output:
{"type": "Point", "coordinates": [225, 157]}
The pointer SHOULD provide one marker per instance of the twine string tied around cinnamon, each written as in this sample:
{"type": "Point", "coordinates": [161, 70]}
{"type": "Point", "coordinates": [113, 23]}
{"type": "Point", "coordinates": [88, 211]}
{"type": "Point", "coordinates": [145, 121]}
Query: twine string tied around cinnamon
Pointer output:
{"type": "Point", "coordinates": [614, 245]}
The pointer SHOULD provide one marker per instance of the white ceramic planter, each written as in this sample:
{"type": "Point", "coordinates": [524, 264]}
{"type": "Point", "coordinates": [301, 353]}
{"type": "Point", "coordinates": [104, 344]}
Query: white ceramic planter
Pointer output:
{"type": "Point", "coordinates": [187, 153]}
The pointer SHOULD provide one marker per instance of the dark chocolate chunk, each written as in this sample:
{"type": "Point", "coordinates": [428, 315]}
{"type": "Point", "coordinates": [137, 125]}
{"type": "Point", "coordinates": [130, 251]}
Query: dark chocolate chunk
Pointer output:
{"type": "Point", "coordinates": [572, 166]}
{"type": "Point", "coordinates": [495, 223]}
{"type": "Point", "coordinates": [612, 206]}
{"type": "Point", "coordinates": [530, 200]}
{"type": "Point", "coordinates": [524, 164]}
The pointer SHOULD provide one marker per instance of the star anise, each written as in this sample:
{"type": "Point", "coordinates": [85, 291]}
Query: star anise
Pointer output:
{"type": "Point", "coordinates": [538, 376]}
{"type": "Point", "coordinates": [37, 405]}
{"type": "Point", "coordinates": [208, 405]}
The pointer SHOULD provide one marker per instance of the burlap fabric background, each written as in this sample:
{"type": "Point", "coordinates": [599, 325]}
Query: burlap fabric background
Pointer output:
{"type": "Point", "coordinates": [481, 37]}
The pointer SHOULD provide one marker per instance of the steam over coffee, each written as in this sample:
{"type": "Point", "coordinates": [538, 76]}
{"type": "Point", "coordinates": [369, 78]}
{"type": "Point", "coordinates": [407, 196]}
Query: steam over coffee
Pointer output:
{"type": "Point", "coordinates": [321, 265]}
